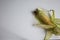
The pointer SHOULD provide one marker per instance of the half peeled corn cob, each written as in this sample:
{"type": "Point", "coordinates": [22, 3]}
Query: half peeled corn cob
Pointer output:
{"type": "Point", "coordinates": [48, 23]}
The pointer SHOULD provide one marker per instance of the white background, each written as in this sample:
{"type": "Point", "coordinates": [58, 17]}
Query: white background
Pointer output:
{"type": "Point", "coordinates": [16, 18]}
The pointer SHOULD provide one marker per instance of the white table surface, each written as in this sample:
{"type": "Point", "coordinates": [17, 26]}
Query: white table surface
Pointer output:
{"type": "Point", "coordinates": [16, 18]}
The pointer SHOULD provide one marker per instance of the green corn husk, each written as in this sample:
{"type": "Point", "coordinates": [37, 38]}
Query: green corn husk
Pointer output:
{"type": "Point", "coordinates": [57, 21]}
{"type": "Point", "coordinates": [48, 35]}
{"type": "Point", "coordinates": [44, 26]}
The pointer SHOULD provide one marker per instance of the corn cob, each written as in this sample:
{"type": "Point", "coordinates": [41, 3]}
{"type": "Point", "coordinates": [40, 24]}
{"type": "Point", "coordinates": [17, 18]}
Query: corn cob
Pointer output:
{"type": "Point", "coordinates": [40, 14]}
